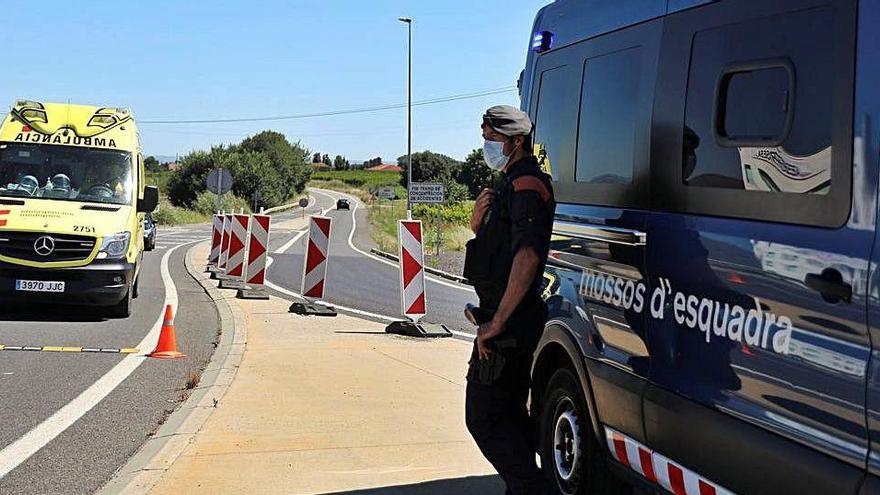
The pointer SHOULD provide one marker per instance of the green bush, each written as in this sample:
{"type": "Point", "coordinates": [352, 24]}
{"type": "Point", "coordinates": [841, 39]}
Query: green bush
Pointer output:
{"type": "Point", "coordinates": [159, 179]}
{"type": "Point", "coordinates": [206, 203]}
{"type": "Point", "coordinates": [172, 215]}
{"type": "Point", "coordinates": [453, 214]}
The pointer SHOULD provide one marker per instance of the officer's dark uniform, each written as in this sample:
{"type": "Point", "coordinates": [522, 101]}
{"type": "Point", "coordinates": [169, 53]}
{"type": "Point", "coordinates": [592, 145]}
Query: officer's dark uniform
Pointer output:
{"type": "Point", "coordinates": [497, 390]}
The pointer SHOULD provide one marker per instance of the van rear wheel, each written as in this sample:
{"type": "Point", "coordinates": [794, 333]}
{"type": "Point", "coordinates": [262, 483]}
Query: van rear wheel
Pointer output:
{"type": "Point", "coordinates": [571, 456]}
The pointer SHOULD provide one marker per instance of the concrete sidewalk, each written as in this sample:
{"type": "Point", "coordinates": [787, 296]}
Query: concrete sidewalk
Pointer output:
{"type": "Point", "coordinates": [335, 405]}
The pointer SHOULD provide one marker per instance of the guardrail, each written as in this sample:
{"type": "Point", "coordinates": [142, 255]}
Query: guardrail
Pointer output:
{"type": "Point", "coordinates": [433, 271]}
{"type": "Point", "coordinates": [279, 209]}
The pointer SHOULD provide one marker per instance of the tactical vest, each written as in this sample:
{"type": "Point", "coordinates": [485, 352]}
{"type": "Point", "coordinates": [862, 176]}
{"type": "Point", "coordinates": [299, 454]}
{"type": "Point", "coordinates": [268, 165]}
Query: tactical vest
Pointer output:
{"type": "Point", "coordinates": [489, 255]}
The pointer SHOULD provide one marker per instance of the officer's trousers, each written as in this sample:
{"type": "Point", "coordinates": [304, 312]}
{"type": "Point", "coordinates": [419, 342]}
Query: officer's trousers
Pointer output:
{"type": "Point", "coordinates": [497, 418]}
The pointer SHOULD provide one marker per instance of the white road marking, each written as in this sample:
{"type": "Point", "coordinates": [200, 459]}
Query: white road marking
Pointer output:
{"type": "Point", "coordinates": [371, 255]}
{"type": "Point", "coordinates": [31, 442]}
{"type": "Point", "coordinates": [290, 244]}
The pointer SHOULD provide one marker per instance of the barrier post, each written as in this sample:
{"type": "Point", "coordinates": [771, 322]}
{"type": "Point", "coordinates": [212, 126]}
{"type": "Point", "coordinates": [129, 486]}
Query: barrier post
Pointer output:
{"type": "Point", "coordinates": [220, 272]}
{"type": "Point", "coordinates": [413, 301]}
{"type": "Point", "coordinates": [216, 238]}
{"type": "Point", "coordinates": [315, 270]}
{"type": "Point", "coordinates": [236, 256]}
{"type": "Point", "coordinates": [257, 252]}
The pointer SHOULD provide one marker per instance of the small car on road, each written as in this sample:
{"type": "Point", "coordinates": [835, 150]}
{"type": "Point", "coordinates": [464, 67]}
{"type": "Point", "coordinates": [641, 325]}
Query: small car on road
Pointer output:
{"type": "Point", "coordinates": [342, 204]}
{"type": "Point", "coordinates": [149, 233]}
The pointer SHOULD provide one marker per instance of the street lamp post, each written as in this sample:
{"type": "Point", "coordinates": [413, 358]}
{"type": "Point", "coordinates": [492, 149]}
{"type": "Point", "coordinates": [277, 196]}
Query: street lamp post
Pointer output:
{"type": "Point", "coordinates": [408, 22]}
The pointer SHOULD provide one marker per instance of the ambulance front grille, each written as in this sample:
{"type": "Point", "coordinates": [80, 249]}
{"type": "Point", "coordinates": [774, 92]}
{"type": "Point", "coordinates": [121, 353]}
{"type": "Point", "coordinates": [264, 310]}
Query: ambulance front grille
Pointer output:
{"type": "Point", "coordinates": [23, 246]}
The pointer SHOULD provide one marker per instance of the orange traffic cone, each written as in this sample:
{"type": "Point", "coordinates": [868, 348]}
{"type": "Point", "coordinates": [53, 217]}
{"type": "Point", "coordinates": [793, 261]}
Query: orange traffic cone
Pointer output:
{"type": "Point", "coordinates": [167, 346]}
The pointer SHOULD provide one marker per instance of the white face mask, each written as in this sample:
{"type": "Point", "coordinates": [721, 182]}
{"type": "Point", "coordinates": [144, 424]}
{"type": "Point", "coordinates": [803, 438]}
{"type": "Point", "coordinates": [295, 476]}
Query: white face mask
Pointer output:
{"type": "Point", "coordinates": [493, 153]}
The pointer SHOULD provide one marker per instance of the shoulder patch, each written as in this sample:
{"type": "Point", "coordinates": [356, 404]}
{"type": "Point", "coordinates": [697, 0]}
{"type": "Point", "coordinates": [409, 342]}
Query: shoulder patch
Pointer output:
{"type": "Point", "coordinates": [531, 183]}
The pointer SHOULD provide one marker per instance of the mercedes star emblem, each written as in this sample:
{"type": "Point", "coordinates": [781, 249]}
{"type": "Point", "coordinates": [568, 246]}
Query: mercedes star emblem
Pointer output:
{"type": "Point", "coordinates": [44, 245]}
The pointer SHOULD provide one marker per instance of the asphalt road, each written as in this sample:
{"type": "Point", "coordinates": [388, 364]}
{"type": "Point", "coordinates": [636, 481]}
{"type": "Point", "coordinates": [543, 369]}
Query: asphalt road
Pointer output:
{"type": "Point", "coordinates": [102, 425]}
{"type": "Point", "coordinates": [361, 281]}
{"type": "Point", "coordinates": [104, 431]}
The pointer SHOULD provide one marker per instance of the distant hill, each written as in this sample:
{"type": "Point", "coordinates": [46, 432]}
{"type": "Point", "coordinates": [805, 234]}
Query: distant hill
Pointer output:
{"type": "Point", "coordinates": [165, 158]}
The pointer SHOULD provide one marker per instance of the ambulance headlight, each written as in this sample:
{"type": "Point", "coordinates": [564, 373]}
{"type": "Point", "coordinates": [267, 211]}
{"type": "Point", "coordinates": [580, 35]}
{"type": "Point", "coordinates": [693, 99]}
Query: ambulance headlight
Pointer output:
{"type": "Point", "coordinates": [114, 246]}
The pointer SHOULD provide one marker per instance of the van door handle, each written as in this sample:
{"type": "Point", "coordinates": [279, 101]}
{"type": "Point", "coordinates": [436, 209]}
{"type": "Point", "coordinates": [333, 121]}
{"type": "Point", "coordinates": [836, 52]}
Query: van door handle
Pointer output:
{"type": "Point", "coordinates": [831, 285]}
{"type": "Point", "coordinates": [601, 233]}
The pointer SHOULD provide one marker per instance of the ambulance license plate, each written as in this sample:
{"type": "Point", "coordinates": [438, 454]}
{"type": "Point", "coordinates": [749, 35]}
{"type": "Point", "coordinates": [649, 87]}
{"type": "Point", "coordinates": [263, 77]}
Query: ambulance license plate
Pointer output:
{"type": "Point", "coordinates": [39, 286]}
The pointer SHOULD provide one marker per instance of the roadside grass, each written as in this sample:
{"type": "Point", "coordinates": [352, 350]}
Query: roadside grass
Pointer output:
{"type": "Point", "coordinates": [168, 215]}
{"type": "Point", "coordinates": [361, 179]}
{"type": "Point", "coordinates": [383, 214]}
{"type": "Point", "coordinates": [454, 232]}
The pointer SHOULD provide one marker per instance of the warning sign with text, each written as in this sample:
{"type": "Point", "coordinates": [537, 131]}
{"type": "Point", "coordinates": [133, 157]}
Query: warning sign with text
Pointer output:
{"type": "Point", "coordinates": [425, 192]}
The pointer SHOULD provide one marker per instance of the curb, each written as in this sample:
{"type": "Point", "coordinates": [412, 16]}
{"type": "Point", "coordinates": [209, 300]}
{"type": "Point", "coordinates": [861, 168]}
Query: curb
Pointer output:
{"type": "Point", "coordinates": [141, 473]}
{"type": "Point", "coordinates": [432, 271]}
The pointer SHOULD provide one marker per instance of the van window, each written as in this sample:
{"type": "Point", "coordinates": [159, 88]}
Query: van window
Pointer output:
{"type": "Point", "coordinates": [550, 125]}
{"type": "Point", "coordinates": [754, 104]}
{"type": "Point", "coordinates": [608, 117]}
{"type": "Point", "coordinates": [759, 97]}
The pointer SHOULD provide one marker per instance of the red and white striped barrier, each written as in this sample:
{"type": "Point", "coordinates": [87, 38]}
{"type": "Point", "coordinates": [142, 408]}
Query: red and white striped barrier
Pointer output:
{"type": "Point", "coordinates": [258, 247]}
{"type": "Point", "coordinates": [412, 274]}
{"type": "Point", "coordinates": [224, 242]}
{"type": "Point", "coordinates": [315, 266]}
{"type": "Point", "coordinates": [216, 239]}
{"type": "Point", "coordinates": [236, 257]}
{"type": "Point", "coordinates": [658, 469]}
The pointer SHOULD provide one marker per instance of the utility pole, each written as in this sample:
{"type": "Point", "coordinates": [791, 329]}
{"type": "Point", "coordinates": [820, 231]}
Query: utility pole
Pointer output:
{"type": "Point", "coordinates": [408, 22]}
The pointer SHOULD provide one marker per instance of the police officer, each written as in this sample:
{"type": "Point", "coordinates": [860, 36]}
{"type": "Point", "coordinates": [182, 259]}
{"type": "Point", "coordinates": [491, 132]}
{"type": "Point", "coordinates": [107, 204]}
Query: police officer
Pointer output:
{"type": "Point", "coordinates": [505, 262]}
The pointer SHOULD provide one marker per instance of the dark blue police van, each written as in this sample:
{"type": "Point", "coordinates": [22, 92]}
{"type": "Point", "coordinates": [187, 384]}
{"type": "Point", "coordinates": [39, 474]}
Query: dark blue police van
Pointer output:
{"type": "Point", "coordinates": [713, 286]}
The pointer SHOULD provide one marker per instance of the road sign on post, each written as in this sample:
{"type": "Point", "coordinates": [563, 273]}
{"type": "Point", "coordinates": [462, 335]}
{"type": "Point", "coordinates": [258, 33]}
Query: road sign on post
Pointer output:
{"type": "Point", "coordinates": [219, 182]}
{"type": "Point", "coordinates": [303, 203]}
{"type": "Point", "coordinates": [429, 193]}
{"type": "Point", "coordinates": [386, 192]}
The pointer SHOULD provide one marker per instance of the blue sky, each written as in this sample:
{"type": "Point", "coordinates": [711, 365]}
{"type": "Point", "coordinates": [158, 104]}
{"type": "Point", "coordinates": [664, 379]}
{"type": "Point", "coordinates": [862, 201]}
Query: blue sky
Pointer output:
{"type": "Point", "coordinates": [222, 59]}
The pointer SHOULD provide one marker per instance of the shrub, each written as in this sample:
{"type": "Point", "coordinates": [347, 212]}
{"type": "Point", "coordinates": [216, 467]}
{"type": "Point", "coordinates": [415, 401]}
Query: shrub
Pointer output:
{"type": "Point", "coordinates": [206, 203]}
{"type": "Point", "coordinates": [453, 214]}
{"type": "Point", "coordinates": [172, 215]}
{"type": "Point", "coordinates": [358, 178]}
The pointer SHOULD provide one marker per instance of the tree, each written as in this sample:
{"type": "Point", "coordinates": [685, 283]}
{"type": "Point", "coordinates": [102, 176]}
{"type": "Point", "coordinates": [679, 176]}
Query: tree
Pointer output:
{"type": "Point", "coordinates": [475, 174]}
{"type": "Point", "coordinates": [340, 163]}
{"type": "Point", "coordinates": [152, 164]}
{"type": "Point", "coordinates": [189, 179]}
{"type": "Point", "coordinates": [288, 158]}
{"type": "Point", "coordinates": [316, 158]}
{"type": "Point", "coordinates": [428, 166]}
{"type": "Point", "coordinates": [266, 162]}
{"type": "Point", "coordinates": [326, 160]}
{"type": "Point", "coordinates": [373, 162]}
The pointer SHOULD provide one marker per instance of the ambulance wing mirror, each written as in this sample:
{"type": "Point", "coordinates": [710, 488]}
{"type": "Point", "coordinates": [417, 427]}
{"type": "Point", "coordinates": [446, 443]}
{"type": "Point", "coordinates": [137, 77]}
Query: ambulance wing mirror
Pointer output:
{"type": "Point", "coordinates": [150, 201]}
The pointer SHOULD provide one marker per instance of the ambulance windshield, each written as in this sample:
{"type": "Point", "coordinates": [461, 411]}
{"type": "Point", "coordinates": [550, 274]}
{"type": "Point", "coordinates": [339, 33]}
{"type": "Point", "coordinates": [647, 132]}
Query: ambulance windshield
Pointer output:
{"type": "Point", "coordinates": [65, 173]}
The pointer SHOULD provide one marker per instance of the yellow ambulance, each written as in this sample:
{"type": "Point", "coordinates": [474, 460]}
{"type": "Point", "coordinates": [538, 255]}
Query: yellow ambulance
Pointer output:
{"type": "Point", "coordinates": [72, 205]}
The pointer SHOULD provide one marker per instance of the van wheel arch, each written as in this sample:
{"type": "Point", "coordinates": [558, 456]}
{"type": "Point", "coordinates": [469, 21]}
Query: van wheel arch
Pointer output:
{"type": "Point", "coordinates": [557, 350]}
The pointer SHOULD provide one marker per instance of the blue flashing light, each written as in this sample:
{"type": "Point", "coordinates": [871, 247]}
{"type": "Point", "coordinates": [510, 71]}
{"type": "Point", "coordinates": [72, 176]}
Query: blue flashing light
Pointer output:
{"type": "Point", "coordinates": [542, 42]}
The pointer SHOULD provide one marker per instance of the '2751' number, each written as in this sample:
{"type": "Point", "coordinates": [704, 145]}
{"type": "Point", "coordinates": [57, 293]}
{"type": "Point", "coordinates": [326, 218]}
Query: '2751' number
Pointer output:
{"type": "Point", "coordinates": [84, 228]}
